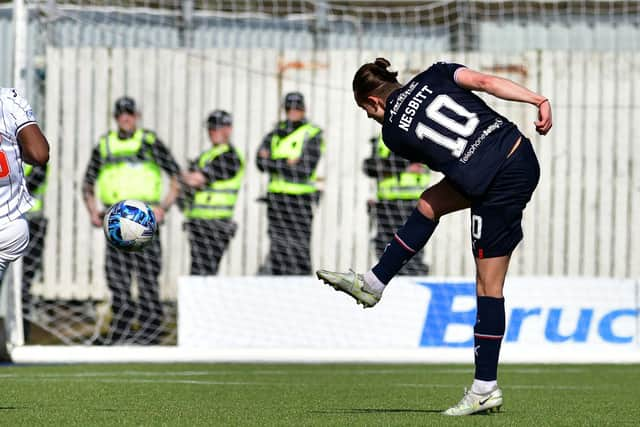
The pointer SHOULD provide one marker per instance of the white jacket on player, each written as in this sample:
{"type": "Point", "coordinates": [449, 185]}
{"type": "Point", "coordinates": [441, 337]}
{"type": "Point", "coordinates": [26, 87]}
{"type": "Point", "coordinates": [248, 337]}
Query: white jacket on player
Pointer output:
{"type": "Point", "coordinates": [15, 201]}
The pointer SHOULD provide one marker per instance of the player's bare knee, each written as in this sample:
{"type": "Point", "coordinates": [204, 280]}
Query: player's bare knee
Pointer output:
{"type": "Point", "coordinates": [480, 286]}
{"type": "Point", "coordinates": [488, 284]}
{"type": "Point", "coordinates": [489, 287]}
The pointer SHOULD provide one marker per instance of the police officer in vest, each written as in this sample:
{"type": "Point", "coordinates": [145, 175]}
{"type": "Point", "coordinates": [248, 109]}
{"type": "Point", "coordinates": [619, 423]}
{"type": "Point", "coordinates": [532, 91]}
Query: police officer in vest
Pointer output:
{"type": "Point", "coordinates": [290, 155]}
{"type": "Point", "coordinates": [128, 164]}
{"type": "Point", "coordinates": [212, 185]}
{"type": "Point", "coordinates": [36, 178]}
{"type": "Point", "coordinates": [400, 184]}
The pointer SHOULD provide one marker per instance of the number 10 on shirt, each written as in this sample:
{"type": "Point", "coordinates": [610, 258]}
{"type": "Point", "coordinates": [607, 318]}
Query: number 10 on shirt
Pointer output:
{"type": "Point", "coordinates": [433, 111]}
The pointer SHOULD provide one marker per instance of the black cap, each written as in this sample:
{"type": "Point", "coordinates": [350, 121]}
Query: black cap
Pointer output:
{"type": "Point", "coordinates": [218, 119]}
{"type": "Point", "coordinates": [294, 101]}
{"type": "Point", "coordinates": [123, 105]}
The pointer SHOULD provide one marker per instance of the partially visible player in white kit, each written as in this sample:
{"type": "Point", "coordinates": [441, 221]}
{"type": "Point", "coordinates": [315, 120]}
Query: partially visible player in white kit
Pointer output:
{"type": "Point", "coordinates": [20, 140]}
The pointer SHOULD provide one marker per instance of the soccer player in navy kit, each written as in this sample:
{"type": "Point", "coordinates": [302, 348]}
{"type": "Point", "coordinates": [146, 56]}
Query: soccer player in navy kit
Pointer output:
{"type": "Point", "coordinates": [489, 166]}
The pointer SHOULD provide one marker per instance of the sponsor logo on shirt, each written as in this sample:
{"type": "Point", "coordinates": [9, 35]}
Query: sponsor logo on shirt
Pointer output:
{"type": "Point", "coordinates": [400, 99]}
{"type": "Point", "coordinates": [497, 124]}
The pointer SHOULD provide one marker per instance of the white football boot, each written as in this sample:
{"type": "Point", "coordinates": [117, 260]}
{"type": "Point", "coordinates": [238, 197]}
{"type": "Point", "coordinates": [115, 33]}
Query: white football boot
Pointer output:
{"type": "Point", "coordinates": [472, 402]}
{"type": "Point", "coordinates": [352, 284]}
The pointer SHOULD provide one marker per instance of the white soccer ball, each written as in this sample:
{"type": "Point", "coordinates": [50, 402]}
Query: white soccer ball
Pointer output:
{"type": "Point", "coordinates": [130, 225]}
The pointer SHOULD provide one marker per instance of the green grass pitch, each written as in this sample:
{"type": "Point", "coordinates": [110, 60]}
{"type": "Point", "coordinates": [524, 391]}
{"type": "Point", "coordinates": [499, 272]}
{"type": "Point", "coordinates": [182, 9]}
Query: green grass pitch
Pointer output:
{"type": "Point", "coordinates": [309, 395]}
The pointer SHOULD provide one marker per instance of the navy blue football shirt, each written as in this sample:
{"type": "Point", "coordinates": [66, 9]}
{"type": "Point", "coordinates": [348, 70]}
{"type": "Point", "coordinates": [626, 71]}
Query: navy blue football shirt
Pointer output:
{"type": "Point", "coordinates": [434, 121]}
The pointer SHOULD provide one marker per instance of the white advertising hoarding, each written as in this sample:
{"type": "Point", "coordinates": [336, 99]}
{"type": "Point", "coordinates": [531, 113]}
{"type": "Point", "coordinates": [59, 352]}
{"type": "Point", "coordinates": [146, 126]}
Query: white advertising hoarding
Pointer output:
{"type": "Point", "coordinates": [418, 319]}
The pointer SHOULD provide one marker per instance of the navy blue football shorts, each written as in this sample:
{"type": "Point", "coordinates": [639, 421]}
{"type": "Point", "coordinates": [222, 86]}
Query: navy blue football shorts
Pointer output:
{"type": "Point", "coordinates": [496, 216]}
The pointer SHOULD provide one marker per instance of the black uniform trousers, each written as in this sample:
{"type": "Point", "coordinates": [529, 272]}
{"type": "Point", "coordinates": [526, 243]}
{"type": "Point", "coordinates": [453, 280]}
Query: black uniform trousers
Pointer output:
{"type": "Point", "coordinates": [209, 239]}
{"type": "Point", "coordinates": [390, 215]}
{"type": "Point", "coordinates": [119, 268]}
{"type": "Point", "coordinates": [289, 228]}
{"type": "Point", "coordinates": [32, 262]}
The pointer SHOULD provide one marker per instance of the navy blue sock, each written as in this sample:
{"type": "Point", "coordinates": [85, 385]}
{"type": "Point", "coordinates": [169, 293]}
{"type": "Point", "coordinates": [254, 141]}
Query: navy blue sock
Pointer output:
{"type": "Point", "coordinates": [409, 239]}
{"type": "Point", "coordinates": [487, 337]}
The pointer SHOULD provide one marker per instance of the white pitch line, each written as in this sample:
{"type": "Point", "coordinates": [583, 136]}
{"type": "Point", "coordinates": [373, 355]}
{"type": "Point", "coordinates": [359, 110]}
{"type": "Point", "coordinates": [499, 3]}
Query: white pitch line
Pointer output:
{"type": "Point", "coordinates": [150, 381]}
{"type": "Point", "coordinates": [339, 372]}
{"type": "Point", "coordinates": [510, 386]}
{"type": "Point", "coordinates": [345, 371]}
{"type": "Point", "coordinates": [197, 382]}
{"type": "Point", "coordinates": [553, 387]}
{"type": "Point", "coordinates": [130, 380]}
{"type": "Point", "coordinates": [121, 374]}
{"type": "Point", "coordinates": [178, 373]}
{"type": "Point", "coordinates": [568, 370]}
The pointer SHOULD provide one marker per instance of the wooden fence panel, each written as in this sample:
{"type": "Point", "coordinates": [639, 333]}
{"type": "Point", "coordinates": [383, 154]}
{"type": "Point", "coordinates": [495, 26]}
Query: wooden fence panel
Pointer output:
{"type": "Point", "coordinates": [580, 221]}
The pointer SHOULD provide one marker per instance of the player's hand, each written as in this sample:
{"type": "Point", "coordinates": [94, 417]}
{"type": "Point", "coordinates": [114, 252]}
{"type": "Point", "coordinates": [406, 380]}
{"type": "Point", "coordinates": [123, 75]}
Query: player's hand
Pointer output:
{"type": "Point", "coordinates": [159, 213]}
{"type": "Point", "coordinates": [264, 153]}
{"type": "Point", "coordinates": [544, 122]}
{"type": "Point", "coordinates": [292, 162]}
{"type": "Point", "coordinates": [415, 168]}
{"type": "Point", "coordinates": [96, 218]}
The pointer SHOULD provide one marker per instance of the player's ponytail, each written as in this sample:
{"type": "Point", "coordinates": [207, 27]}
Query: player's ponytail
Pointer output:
{"type": "Point", "coordinates": [374, 78]}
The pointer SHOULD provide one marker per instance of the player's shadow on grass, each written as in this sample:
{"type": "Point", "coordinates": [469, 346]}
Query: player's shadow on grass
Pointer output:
{"type": "Point", "coordinates": [378, 411]}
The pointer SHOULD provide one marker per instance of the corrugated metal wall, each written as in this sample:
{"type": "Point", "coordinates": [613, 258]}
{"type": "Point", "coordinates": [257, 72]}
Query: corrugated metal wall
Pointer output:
{"type": "Point", "coordinates": [574, 36]}
{"type": "Point", "coordinates": [599, 36]}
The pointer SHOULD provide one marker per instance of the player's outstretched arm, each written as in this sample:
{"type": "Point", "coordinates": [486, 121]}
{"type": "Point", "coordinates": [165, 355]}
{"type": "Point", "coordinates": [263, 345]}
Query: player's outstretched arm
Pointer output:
{"type": "Point", "coordinates": [34, 145]}
{"type": "Point", "coordinates": [509, 90]}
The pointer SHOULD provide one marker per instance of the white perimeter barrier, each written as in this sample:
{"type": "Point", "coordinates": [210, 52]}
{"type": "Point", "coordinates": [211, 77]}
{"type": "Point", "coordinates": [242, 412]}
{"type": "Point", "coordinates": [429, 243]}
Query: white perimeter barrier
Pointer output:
{"type": "Point", "coordinates": [420, 320]}
{"type": "Point", "coordinates": [564, 320]}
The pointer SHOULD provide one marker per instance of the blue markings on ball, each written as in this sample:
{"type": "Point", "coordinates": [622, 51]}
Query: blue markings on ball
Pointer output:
{"type": "Point", "coordinates": [136, 212]}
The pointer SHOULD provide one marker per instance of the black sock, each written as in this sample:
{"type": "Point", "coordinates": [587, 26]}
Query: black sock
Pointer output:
{"type": "Point", "coordinates": [409, 239]}
{"type": "Point", "coordinates": [487, 333]}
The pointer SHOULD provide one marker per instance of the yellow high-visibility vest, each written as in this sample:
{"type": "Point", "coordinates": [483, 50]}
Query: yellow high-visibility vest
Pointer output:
{"type": "Point", "coordinates": [217, 200]}
{"type": "Point", "coordinates": [402, 186]}
{"type": "Point", "coordinates": [126, 173]}
{"type": "Point", "coordinates": [290, 147]}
